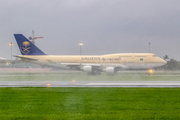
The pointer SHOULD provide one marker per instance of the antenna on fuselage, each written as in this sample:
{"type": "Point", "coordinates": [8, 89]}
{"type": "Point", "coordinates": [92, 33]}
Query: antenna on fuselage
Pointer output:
{"type": "Point", "coordinates": [32, 39]}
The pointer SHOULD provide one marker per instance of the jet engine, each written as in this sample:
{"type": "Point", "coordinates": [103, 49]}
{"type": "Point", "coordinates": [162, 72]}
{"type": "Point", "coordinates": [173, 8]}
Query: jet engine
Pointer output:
{"type": "Point", "coordinates": [110, 70]}
{"type": "Point", "coordinates": [87, 68]}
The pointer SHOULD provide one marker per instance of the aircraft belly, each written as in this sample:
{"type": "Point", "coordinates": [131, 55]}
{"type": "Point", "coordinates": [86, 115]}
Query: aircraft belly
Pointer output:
{"type": "Point", "coordinates": [144, 65]}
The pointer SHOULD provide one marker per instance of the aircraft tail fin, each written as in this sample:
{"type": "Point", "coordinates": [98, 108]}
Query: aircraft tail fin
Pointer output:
{"type": "Point", "coordinates": [26, 47]}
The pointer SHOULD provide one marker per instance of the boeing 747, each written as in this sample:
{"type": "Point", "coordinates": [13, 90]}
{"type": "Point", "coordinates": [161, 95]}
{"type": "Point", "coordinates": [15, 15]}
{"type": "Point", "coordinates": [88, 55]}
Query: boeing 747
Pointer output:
{"type": "Point", "coordinates": [92, 64]}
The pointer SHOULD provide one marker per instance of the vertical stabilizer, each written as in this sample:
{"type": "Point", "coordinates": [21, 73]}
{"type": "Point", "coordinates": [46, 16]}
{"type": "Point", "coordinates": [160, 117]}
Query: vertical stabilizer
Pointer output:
{"type": "Point", "coordinates": [26, 47]}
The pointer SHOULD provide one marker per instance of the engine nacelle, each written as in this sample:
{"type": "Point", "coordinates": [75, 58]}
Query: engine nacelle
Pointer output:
{"type": "Point", "coordinates": [87, 68]}
{"type": "Point", "coordinates": [110, 70]}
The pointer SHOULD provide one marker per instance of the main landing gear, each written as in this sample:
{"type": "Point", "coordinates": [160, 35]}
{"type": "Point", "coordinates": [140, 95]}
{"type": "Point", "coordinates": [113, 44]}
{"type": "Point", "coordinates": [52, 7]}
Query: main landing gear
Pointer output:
{"type": "Point", "coordinates": [94, 73]}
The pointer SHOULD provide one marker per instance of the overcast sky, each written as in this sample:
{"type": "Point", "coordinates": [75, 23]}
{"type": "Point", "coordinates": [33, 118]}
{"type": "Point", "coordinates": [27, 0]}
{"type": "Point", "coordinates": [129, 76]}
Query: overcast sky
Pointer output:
{"type": "Point", "coordinates": [103, 26]}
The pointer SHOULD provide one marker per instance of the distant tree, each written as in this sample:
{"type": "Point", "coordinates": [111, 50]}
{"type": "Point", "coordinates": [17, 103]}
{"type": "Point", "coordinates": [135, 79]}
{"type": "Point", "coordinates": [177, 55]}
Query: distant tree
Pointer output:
{"type": "Point", "coordinates": [166, 57]}
{"type": "Point", "coordinates": [171, 65]}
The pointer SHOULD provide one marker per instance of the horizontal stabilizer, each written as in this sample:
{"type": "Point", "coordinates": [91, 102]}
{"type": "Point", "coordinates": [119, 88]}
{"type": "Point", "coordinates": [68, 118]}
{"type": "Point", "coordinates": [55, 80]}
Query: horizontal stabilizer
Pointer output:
{"type": "Point", "coordinates": [25, 58]}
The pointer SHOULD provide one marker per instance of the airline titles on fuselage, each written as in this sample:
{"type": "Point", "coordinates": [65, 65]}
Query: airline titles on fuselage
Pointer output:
{"type": "Point", "coordinates": [99, 58]}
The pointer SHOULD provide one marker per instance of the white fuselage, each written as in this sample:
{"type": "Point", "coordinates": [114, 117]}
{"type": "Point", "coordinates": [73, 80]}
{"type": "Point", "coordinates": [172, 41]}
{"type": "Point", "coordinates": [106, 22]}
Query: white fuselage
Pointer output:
{"type": "Point", "coordinates": [122, 60]}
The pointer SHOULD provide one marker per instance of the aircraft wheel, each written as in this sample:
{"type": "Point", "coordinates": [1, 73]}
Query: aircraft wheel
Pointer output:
{"type": "Point", "coordinates": [94, 73]}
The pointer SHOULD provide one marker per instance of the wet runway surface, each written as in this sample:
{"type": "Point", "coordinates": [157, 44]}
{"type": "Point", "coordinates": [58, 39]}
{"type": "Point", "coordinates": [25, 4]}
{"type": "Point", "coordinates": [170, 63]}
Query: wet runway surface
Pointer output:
{"type": "Point", "coordinates": [80, 79]}
{"type": "Point", "coordinates": [89, 84]}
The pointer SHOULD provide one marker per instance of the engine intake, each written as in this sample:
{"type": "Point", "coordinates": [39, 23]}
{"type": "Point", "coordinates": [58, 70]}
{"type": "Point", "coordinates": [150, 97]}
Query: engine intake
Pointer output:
{"type": "Point", "coordinates": [110, 70]}
{"type": "Point", "coordinates": [87, 68]}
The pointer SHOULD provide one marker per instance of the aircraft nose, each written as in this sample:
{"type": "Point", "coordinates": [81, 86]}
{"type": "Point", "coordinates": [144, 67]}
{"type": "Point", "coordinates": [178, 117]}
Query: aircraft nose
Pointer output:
{"type": "Point", "coordinates": [164, 62]}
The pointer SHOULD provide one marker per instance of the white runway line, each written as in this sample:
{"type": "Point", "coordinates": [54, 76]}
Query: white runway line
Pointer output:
{"type": "Point", "coordinates": [135, 84]}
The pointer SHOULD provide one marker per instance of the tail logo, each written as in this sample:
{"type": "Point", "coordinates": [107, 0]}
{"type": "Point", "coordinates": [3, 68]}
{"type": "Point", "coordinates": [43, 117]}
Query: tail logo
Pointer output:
{"type": "Point", "coordinates": [25, 48]}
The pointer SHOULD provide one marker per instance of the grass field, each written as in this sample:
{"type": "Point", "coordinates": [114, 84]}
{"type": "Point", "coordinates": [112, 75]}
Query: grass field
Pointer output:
{"type": "Point", "coordinates": [89, 103]}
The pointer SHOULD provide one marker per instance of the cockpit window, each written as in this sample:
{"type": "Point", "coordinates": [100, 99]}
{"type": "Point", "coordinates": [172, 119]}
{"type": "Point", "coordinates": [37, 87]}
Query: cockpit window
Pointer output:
{"type": "Point", "coordinates": [154, 56]}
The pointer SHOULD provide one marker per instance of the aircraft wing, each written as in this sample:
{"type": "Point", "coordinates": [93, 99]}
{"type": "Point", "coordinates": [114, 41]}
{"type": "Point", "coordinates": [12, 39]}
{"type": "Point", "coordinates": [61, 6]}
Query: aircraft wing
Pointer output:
{"type": "Point", "coordinates": [82, 64]}
{"type": "Point", "coordinates": [73, 64]}
{"type": "Point", "coordinates": [78, 66]}
{"type": "Point", "coordinates": [26, 58]}
{"type": "Point", "coordinates": [94, 65]}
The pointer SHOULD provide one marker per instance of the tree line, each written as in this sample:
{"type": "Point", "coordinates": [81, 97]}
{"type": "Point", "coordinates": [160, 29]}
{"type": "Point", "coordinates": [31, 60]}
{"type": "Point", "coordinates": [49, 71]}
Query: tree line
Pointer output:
{"type": "Point", "coordinates": [172, 64]}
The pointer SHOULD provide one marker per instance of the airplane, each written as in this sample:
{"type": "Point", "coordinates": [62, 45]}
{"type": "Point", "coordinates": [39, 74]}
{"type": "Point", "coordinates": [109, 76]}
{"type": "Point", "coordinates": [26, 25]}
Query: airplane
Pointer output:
{"type": "Point", "coordinates": [92, 64]}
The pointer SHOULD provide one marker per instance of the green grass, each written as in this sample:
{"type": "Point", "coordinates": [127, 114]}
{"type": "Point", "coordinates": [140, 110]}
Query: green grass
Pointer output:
{"type": "Point", "coordinates": [89, 103]}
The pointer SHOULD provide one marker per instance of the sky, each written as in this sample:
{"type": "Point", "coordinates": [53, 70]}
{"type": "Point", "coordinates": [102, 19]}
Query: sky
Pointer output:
{"type": "Point", "coordinates": [103, 26]}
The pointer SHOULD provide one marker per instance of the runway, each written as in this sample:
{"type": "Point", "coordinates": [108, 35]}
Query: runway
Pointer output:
{"type": "Point", "coordinates": [161, 84]}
